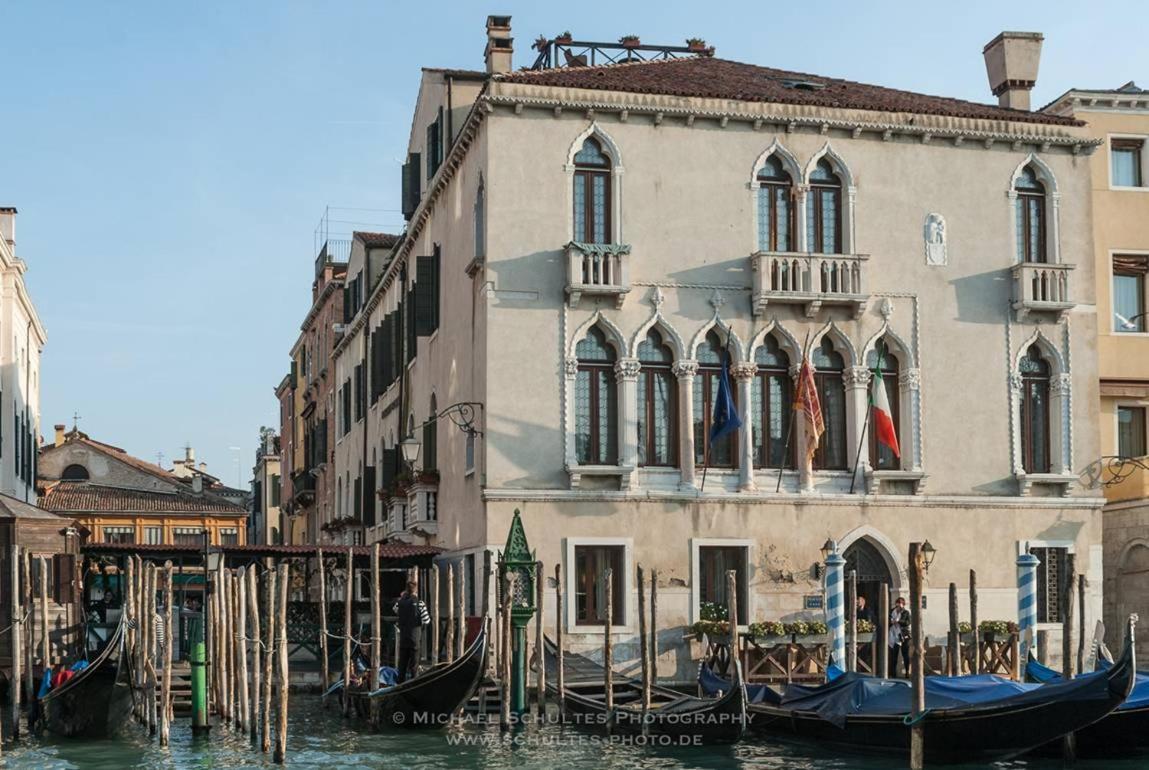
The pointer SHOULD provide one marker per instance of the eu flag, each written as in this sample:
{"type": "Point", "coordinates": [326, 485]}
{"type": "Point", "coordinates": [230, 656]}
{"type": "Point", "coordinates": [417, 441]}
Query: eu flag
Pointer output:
{"type": "Point", "coordinates": [725, 419]}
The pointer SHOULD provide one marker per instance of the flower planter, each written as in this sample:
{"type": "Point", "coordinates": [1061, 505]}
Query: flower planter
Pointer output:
{"type": "Point", "coordinates": [630, 42]}
{"type": "Point", "coordinates": [810, 639]}
{"type": "Point", "coordinates": [563, 39]}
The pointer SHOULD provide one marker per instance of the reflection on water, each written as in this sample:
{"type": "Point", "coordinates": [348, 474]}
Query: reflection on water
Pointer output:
{"type": "Point", "coordinates": [320, 738]}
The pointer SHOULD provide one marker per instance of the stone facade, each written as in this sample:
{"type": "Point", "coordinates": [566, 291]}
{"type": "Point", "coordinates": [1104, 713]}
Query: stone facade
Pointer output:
{"type": "Point", "coordinates": [513, 297]}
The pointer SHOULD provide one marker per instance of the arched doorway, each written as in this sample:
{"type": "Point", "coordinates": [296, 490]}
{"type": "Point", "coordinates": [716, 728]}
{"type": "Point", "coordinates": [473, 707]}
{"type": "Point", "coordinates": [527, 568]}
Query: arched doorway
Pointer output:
{"type": "Point", "coordinates": [864, 558]}
{"type": "Point", "coordinates": [1132, 593]}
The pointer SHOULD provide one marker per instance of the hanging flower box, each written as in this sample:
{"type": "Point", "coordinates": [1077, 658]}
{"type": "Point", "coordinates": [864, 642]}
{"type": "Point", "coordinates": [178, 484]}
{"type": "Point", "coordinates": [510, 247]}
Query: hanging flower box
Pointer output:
{"type": "Point", "coordinates": [564, 38]}
{"type": "Point", "coordinates": [630, 41]}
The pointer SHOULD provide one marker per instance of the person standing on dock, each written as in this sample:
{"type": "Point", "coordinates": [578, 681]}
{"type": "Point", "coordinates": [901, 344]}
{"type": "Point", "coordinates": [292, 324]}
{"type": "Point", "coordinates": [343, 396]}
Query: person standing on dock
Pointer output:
{"type": "Point", "coordinates": [413, 615]}
{"type": "Point", "coordinates": [899, 638]}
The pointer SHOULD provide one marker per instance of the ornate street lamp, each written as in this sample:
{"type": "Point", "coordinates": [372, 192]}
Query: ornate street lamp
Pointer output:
{"type": "Point", "coordinates": [828, 548]}
{"type": "Point", "coordinates": [410, 449]}
{"type": "Point", "coordinates": [928, 554]}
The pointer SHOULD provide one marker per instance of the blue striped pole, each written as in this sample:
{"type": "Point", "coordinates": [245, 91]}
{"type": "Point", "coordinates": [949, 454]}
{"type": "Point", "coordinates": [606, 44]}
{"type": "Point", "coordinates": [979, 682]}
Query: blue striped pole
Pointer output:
{"type": "Point", "coordinates": [835, 611]}
{"type": "Point", "coordinates": [1026, 602]}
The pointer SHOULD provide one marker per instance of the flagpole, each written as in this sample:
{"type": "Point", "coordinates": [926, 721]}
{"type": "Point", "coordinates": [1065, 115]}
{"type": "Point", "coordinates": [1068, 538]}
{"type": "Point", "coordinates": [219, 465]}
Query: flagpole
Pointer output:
{"type": "Point", "coordinates": [790, 430]}
{"type": "Point", "coordinates": [866, 423]}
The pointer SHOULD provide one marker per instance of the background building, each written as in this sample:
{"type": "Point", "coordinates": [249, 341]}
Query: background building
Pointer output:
{"type": "Point", "coordinates": [1119, 119]}
{"type": "Point", "coordinates": [264, 524]}
{"type": "Point", "coordinates": [21, 342]}
{"type": "Point", "coordinates": [122, 499]}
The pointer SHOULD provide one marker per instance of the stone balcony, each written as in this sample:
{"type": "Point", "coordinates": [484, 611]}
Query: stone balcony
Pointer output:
{"type": "Point", "coordinates": [597, 269]}
{"type": "Point", "coordinates": [810, 280]}
{"type": "Point", "coordinates": [1039, 287]}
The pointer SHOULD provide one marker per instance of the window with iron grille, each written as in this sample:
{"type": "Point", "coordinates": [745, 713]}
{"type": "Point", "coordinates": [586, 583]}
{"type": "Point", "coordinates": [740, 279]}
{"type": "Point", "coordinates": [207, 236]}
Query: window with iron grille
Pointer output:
{"type": "Point", "coordinates": [1050, 582]}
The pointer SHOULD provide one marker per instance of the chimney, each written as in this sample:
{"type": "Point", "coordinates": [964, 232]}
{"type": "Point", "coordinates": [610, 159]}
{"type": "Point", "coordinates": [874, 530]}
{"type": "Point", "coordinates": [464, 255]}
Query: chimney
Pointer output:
{"type": "Point", "coordinates": [203, 467]}
{"type": "Point", "coordinates": [60, 435]}
{"type": "Point", "coordinates": [189, 455]}
{"type": "Point", "coordinates": [499, 45]}
{"type": "Point", "coordinates": [1011, 61]}
{"type": "Point", "coordinates": [8, 226]}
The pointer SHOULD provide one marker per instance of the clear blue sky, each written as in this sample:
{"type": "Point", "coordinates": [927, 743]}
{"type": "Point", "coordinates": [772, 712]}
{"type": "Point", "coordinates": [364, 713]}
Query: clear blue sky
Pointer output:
{"type": "Point", "coordinates": [171, 161]}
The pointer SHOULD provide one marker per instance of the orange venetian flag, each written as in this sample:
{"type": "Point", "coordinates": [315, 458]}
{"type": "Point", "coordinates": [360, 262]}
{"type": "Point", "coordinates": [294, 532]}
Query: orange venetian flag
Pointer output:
{"type": "Point", "coordinates": [810, 408]}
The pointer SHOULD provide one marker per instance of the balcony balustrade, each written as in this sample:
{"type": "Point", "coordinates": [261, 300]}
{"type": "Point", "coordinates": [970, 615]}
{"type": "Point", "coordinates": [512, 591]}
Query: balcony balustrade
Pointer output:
{"type": "Point", "coordinates": [598, 269]}
{"type": "Point", "coordinates": [1039, 287]}
{"type": "Point", "coordinates": [811, 280]}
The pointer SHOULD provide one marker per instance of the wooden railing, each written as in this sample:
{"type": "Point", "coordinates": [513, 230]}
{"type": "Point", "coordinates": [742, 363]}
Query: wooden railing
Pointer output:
{"type": "Point", "coordinates": [803, 659]}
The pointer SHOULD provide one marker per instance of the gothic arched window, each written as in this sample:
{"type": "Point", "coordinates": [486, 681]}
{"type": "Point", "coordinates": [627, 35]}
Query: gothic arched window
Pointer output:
{"type": "Point", "coordinates": [724, 451]}
{"type": "Point", "coordinates": [775, 214]}
{"type": "Point", "coordinates": [881, 457]}
{"type": "Point", "coordinates": [596, 402]}
{"type": "Point", "coordinates": [828, 369]}
{"type": "Point", "coordinates": [657, 403]}
{"type": "Point", "coordinates": [1030, 216]}
{"type": "Point", "coordinates": [824, 210]}
{"type": "Point", "coordinates": [1035, 443]}
{"type": "Point", "coordinates": [771, 406]}
{"type": "Point", "coordinates": [592, 194]}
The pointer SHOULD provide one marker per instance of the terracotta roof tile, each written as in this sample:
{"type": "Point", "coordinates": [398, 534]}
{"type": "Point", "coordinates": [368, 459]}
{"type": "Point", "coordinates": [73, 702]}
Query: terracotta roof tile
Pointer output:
{"type": "Point", "coordinates": [84, 496]}
{"type": "Point", "coordinates": [385, 240]}
{"type": "Point", "coordinates": [705, 77]}
{"type": "Point", "coordinates": [386, 550]}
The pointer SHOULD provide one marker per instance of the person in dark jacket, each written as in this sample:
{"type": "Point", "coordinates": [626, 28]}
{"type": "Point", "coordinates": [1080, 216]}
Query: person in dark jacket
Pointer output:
{"type": "Point", "coordinates": [899, 641]}
{"type": "Point", "coordinates": [412, 614]}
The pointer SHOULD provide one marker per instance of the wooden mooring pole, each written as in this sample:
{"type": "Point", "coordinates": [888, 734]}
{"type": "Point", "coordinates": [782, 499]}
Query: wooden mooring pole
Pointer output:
{"type": "Point", "coordinates": [882, 633]}
{"type": "Point", "coordinates": [281, 654]}
{"type": "Point", "coordinates": [17, 611]}
{"type": "Point", "coordinates": [268, 655]}
{"type": "Point", "coordinates": [540, 646]}
{"type": "Point", "coordinates": [376, 631]}
{"type": "Point", "coordinates": [653, 626]}
{"type": "Point", "coordinates": [241, 619]}
{"type": "Point", "coordinates": [30, 627]}
{"type": "Point", "coordinates": [45, 642]}
{"type": "Point", "coordinates": [433, 595]}
{"type": "Point", "coordinates": [450, 612]}
{"type": "Point", "coordinates": [608, 647]}
{"type": "Point", "coordinates": [150, 664]}
{"type": "Point", "coordinates": [643, 649]}
{"type": "Point", "coordinates": [953, 648]}
{"type": "Point", "coordinates": [348, 589]}
{"type": "Point", "coordinates": [1081, 584]}
{"type": "Point", "coordinates": [560, 679]}
{"type": "Point", "coordinates": [917, 663]}
{"type": "Point", "coordinates": [1069, 741]}
{"type": "Point", "coordinates": [852, 615]}
{"type": "Point", "coordinates": [461, 613]}
{"type": "Point", "coordinates": [973, 621]}
{"type": "Point", "coordinates": [169, 641]}
{"type": "Point", "coordinates": [324, 659]}
{"type": "Point", "coordinates": [256, 651]}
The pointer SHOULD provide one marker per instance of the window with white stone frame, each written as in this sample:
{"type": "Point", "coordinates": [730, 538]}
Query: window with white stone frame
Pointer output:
{"type": "Point", "coordinates": [1041, 403]}
{"type": "Point", "coordinates": [710, 561]}
{"type": "Point", "coordinates": [585, 561]}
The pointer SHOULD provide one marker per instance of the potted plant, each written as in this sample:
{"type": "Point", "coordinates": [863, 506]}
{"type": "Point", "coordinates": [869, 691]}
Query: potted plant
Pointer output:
{"type": "Point", "coordinates": [540, 43]}
{"type": "Point", "coordinates": [696, 44]}
{"type": "Point", "coordinates": [563, 38]}
{"type": "Point", "coordinates": [430, 476]}
{"type": "Point", "coordinates": [991, 629]}
{"type": "Point", "coordinates": [718, 631]}
{"type": "Point", "coordinates": [768, 630]}
{"type": "Point", "coordinates": [811, 631]}
{"type": "Point", "coordinates": [630, 41]}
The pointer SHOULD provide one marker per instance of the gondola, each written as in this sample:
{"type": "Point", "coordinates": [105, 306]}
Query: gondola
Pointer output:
{"type": "Point", "coordinates": [429, 700]}
{"type": "Point", "coordinates": [1123, 732]}
{"type": "Point", "coordinates": [97, 701]}
{"type": "Point", "coordinates": [683, 717]}
{"type": "Point", "coordinates": [964, 721]}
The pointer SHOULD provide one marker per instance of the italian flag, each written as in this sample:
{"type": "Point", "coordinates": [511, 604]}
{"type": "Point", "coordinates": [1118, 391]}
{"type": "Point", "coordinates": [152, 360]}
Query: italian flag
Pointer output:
{"type": "Point", "coordinates": [883, 418]}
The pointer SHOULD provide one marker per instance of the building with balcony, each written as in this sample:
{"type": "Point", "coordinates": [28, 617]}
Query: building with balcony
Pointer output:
{"type": "Point", "coordinates": [122, 499]}
{"type": "Point", "coordinates": [586, 243]}
{"type": "Point", "coordinates": [1118, 119]}
{"type": "Point", "coordinates": [307, 403]}
{"type": "Point", "coordinates": [265, 524]}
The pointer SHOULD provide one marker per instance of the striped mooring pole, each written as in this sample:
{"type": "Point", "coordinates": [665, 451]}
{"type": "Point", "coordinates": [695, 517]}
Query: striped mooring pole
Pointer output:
{"type": "Point", "coordinates": [1026, 603]}
{"type": "Point", "coordinates": [835, 610]}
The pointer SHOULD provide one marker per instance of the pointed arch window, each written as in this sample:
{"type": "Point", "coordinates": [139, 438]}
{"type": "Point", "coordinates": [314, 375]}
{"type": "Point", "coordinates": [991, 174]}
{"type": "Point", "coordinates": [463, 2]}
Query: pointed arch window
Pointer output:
{"type": "Point", "coordinates": [775, 214]}
{"type": "Point", "coordinates": [657, 403]}
{"type": "Point", "coordinates": [1035, 444]}
{"type": "Point", "coordinates": [828, 369]}
{"type": "Point", "coordinates": [771, 408]}
{"type": "Point", "coordinates": [723, 452]}
{"type": "Point", "coordinates": [592, 193]}
{"type": "Point", "coordinates": [596, 402]}
{"type": "Point", "coordinates": [1030, 216]}
{"type": "Point", "coordinates": [824, 210]}
{"type": "Point", "coordinates": [883, 361]}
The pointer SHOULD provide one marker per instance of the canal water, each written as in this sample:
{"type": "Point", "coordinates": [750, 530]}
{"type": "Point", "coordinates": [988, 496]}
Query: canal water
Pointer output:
{"type": "Point", "coordinates": [319, 738]}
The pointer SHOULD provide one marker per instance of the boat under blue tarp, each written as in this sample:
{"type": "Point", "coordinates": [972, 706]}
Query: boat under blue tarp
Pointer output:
{"type": "Point", "coordinates": [1137, 699]}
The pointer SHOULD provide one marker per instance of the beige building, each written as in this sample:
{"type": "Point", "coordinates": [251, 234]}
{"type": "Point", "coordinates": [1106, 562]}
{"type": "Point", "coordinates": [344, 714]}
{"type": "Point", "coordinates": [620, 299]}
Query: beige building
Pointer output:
{"type": "Point", "coordinates": [1119, 119]}
{"type": "Point", "coordinates": [265, 521]}
{"type": "Point", "coordinates": [582, 242]}
{"type": "Point", "coordinates": [22, 340]}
